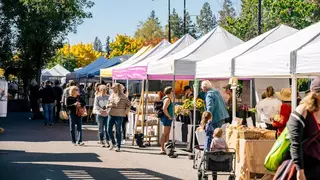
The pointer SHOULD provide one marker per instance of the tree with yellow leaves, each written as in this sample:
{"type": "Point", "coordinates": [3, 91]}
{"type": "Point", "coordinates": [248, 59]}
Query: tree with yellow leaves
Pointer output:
{"type": "Point", "coordinates": [124, 44]}
{"type": "Point", "coordinates": [76, 56]}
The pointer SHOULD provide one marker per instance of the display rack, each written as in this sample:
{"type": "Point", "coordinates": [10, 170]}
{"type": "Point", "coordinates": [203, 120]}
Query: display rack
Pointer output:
{"type": "Point", "coordinates": [146, 121]}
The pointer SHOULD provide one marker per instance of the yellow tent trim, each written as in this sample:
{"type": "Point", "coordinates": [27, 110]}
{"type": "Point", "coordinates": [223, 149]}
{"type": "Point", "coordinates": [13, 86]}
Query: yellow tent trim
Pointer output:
{"type": "Point", "coordinates": [107, 72]}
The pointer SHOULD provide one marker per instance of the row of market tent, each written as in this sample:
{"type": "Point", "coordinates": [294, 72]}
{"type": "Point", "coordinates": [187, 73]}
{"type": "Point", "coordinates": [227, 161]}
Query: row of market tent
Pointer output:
{"type": "Point", "coordinates": [282, 52]}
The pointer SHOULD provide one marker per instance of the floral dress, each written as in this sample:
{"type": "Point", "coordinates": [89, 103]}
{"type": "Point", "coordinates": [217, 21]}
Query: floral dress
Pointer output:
{"type": "Point", "coordinates": [209, 136]}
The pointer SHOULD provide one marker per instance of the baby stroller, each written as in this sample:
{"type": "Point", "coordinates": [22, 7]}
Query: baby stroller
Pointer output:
{"type": "Point", "coordinates": [213, 163]}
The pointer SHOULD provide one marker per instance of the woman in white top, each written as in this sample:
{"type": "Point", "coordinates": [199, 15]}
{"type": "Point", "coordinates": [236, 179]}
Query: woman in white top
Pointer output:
{"type": "Point", "coordinates": [268, 107]}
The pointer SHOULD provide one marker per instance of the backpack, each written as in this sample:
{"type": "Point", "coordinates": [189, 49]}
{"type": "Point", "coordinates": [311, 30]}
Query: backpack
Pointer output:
{"type": "Point", "coordinates": [158, 108]}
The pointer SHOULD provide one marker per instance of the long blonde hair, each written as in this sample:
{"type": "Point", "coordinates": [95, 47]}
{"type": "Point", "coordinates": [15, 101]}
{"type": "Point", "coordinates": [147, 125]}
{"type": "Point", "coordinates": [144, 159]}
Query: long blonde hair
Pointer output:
{"type": "Point", "coordinates": [206, 116]}
{"type": "Point", "coordinates": [310, 102]}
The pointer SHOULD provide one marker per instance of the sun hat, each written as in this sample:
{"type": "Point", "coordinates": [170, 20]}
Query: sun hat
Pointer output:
{"type": "Point", "coordinates": [315, 84]}
{"type": "Point", "coordinates": [284, 94]}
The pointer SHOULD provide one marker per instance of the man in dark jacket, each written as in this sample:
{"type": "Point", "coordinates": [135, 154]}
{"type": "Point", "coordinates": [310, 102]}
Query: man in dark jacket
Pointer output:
{"type": "Point", "coordinates": [48, 100]}
{"type": "Point", "coordinates": [58, 92]}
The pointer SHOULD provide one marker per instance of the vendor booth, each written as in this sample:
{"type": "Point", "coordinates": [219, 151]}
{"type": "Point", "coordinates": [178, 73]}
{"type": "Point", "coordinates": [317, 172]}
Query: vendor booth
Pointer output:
{"type": "Point", "coordinates": [181, 66]}
{"type": "Point", "coordinates": [281, 57]}
{"type": "Point", "coordinates": [55, 73]}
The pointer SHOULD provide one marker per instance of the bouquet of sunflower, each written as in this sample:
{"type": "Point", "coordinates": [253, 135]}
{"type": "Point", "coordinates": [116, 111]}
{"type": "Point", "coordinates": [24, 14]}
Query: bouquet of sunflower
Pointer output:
{"type": "Point", "coordinates": [200, 105]}
{"type": "Point", "coordinates": [188, 105]}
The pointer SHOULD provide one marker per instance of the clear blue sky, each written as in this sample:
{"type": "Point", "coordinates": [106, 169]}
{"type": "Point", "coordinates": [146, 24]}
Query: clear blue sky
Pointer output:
{"type": "Point", "coordinates": [112, 17]}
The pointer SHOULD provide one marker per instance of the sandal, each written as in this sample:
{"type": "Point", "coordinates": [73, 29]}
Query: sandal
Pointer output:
{"type": "Point", "coordinates": [163, 153]}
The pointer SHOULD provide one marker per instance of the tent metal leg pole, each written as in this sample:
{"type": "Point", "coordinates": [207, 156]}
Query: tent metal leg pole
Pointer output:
{"type": "Point", "coordinates": [174, 102]}
{"type": "Point", "coordinates": [195, 89]}
{"type": "Point", "coordinates": [294, 92]}
{"type": "Point", "coordinates": [127, 87]}
{"type": "Point", "coordinates": [234, 102]}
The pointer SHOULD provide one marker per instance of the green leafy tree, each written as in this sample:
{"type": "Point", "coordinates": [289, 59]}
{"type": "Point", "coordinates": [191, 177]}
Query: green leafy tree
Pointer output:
{"type": "Point", "coordinates": [40, 27]}
{"type": "Point", "coordinates": [226, 12]}
{"type": "Point", "coordinates": [295, 13]}
{"type": "Point", "coordinates": [149, 29]}
{"type": "Point", "coordinates": [97, 45]}
{"type": "Point", "coordinates": [206, 21]}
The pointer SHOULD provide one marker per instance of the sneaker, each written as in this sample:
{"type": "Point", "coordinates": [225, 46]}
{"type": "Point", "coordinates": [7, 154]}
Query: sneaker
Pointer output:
{"type": "Point", "coordinates": [102, 144]}
{"type": "Point", "coordinates": [80, 143]}
{"type": "Point", "coordinates": [117, 149]}
{"type": "Point", "coordinates": [111, 147]}
{"type": "Point", "coordinates": [108, 144]}
{"type": "Point", "coordinates": [74, 144]}
{"type": "Point", "coordinates": [123, 142]}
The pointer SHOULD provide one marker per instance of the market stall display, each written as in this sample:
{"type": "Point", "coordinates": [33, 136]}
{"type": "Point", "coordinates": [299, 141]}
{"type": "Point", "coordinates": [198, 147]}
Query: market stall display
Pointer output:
{"type": "Point", "coordinates": [252, 146]}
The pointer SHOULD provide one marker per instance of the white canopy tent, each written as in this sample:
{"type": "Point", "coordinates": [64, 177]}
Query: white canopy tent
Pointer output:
{"type": "Point", "coordinates": [219, 66]}
{"type": "Point", "coordinates": [183, 63]}
{"type": "Point", "coordinates": [278, 59]}
{"type": "Point", "coordinates": [274, 60]}
{"type": "Point", "coordinates": [120, 72]}
{"type": "Point", "coordinates": [308, 59]}
{"type": "Point", "coordinates": [158, 48]}
{"type": "Point", "coordinates": [182, 43]}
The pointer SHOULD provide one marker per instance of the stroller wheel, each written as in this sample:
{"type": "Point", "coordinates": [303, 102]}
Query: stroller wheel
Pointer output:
{"type": "Point", "coordinates": [232, 177]}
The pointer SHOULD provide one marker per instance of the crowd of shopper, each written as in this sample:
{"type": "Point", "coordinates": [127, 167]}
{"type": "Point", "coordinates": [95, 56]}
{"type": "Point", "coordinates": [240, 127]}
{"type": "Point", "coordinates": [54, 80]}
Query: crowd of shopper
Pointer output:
{"type": "Point", "coordinates": [110, 105]}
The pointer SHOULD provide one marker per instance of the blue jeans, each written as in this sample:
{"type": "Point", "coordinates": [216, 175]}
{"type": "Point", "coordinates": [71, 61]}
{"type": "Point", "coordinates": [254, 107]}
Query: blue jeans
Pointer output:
{"type": "Point", "coordinates": [115, 120]}
{"type": "Point", "coordinates": [103, 127]}
{"type": "Point", "coordinates": [48, 113]}
{"type": "Point", "coordinates": [73, 121]}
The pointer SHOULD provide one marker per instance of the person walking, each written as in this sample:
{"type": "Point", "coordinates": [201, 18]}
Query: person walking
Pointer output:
{"type": "Point", "coordinates": [34, 99]}
{"type": "Point", "coordinates": [58, 92]}
{"type": "Point", "coordinates": [118, 104]}
{"type": "Point", "coordinates": [304, 123]}
{"type": "Point", "coordinates": [100, 108]}
{"type": "Point", "coordinates": [73, 102]}
{"type": "Point", "coordinates": [48, 100]}
{"type": "Point", "coordinates": [66, 94]}
{"type": "Point", "coordinates": [215, 104]}
{"type": "Point", "coordinates": [166, 119]}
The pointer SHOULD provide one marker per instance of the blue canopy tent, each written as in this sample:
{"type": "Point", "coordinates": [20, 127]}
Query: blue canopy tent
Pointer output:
{"type": "Point", "coordinates": [77, 74]}
{"type": "Point", "coordinates": [96, 71]}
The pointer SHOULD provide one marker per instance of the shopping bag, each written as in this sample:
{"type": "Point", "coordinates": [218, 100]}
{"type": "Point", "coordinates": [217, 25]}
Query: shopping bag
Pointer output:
{"type": "Point", "coordinates": [278, 152]}
{"type": "Point", "coordinates": [286, 171]}
{"type": "Point", "coordinates": [63, 114]}
{"type": "Point", "coordinates": [81, 111]}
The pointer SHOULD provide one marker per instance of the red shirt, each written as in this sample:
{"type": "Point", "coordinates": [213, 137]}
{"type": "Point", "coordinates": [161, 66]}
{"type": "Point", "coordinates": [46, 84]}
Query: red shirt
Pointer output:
{"type": "Point", "coordinates": [285, 111]}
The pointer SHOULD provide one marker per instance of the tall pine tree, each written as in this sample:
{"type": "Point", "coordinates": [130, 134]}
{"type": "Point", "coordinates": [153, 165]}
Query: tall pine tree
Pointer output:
{"type": "Point", "coordinates": [149, 29]}
{"type": "Point", "coordinates": [97, 45]}
{"type": "Point", "coordinates": [108, 48]}
{"type": "Point", "coordinates": [206, 21]}
{"type": "Point", "coordinates": [226, 12]}
{"type": "Point", "coordinates": [176, 25]}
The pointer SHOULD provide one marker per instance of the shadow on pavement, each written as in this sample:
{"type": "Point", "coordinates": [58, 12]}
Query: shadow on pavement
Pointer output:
{"type": "Point", "coordinates": [17, 165]}
{"type": "Point", "coordinates": [22, 156]}
{"type": "Point", "coordinates": [18, 127]}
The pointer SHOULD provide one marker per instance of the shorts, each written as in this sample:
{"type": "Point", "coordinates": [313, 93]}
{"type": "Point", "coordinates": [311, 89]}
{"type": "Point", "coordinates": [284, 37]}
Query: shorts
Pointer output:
{"type": "Point", "coordinates": [165, 121]}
